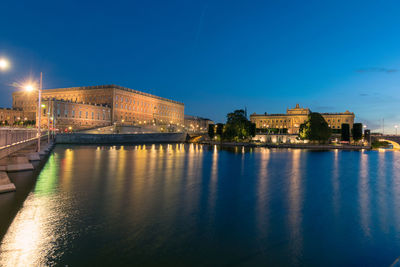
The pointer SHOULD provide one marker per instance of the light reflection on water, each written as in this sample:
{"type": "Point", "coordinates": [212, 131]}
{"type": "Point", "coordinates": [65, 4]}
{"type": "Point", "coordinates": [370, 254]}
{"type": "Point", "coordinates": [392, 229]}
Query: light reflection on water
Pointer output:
{"type": "Point", "coordinates": [178, 204]}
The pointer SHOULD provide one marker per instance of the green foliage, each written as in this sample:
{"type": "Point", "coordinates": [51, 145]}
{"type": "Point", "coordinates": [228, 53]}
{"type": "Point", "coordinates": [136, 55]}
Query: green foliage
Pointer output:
{"type": "Point", "coordinates": [220, 129]}
{"type": "Point", "coordinates": [345, 134]}
{"type": "Point", "coordinates": [252, 130]}
{"type": "Point", "coordinates": [211, 131]}
{"type": "Point", "coordinates": [315, 128]}
{"type": "Point", "coordinates": [379, 144]}
{"type": "Point", "coordinates": [238, 127]}
{"type": "Point", "coordinates": [357, 131]}
{"type": "Point", "coordinates": [273, 130]}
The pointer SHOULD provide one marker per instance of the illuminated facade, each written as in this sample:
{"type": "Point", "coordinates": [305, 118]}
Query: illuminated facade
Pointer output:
{"type": "Point", "coordinates": [296, 116]}
{"type": "Point", "coordinates": [127, 106]}
{"type": "Point", "coordinates": [197, 124]}
{"type": "Point", "coordinates": [67, 115]}
{"type": "Point", "coordinates": [10, 116]}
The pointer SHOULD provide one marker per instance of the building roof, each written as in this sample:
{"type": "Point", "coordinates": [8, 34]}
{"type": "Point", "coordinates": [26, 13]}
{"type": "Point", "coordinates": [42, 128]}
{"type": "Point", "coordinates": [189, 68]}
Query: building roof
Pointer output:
{"type": "Point", "coordinates": [113, 86]}
{"type": "Point", "coordinates": [76, 102]}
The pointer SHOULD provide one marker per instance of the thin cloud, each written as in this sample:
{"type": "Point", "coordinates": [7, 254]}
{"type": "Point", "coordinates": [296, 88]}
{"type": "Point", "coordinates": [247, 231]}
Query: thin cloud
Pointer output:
{"type": "Point", "coordinates": [384, 70]}
{"type": "Point", "coordinates": [200, 25]}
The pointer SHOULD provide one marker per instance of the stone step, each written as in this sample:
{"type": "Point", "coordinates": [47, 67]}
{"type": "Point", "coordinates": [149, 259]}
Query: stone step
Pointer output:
{"type": "Point", "coordinates": [19, 163]}
{"type": "Point", "coordinates": [19, 167]}
{"type": "Point", "coordinates": [5, 183]}
{"type": "Point", "coordinates": [7, 188]}
{"type": "Point", "coordinates": [33, 156]}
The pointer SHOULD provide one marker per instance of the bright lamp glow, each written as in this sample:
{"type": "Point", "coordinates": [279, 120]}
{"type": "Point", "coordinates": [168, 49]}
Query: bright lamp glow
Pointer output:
{"type": "Point", "coordinates": [4, 64]}
{"type": "Point", "coordinates": [29, 87]}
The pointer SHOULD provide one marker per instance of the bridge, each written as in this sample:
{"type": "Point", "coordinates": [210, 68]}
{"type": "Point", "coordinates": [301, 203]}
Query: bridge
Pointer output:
{"type": "Point", "coordinates": [17, 153]}
{"type": "Point", "coordinates": [392, 139]}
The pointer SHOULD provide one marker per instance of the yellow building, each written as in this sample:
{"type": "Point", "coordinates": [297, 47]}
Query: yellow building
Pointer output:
{"type": "Point", "coordinates": [10, 116]}
{"type": "Point", "coordinates": [296, 116]}
{"type": "Point", "coordinates": [127, 106]}
{"type": "Point", "coordinates": [67, 115]}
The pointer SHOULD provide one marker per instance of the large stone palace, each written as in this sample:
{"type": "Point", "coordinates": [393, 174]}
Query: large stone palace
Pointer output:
{"type": "Point", "coordinates": [294, 117]}
{"type": "Point", "coordinates": [93, 106]}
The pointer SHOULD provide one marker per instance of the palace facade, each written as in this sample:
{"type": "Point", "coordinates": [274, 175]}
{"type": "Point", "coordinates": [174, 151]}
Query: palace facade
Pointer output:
{"type": "Point", "coordinates": [67, 115]}
{"type": "Point", "coordinates": [126, 106]}
{"type": "Point", "coordinates": [296, 116]}
{"type": "Point", "coordinates": [9, 116]}
{"type": "Point", "coordinates": [197, 124]}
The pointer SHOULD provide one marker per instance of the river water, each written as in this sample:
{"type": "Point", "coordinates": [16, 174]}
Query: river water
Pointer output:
{"type": "Point", "coordinates": [193, 205]}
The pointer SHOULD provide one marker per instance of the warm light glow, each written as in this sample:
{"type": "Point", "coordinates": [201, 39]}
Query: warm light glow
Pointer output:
{"type": "Point", "coordinates": [4, 64]}
{"type": "Point", "coordinates": [29, 87]}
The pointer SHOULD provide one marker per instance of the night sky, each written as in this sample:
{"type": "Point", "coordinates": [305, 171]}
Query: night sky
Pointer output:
{"type": "Point", "coordinates": [215, 56]}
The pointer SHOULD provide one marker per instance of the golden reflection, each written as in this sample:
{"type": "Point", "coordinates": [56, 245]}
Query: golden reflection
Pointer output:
{"type": "Point", "coordinates": [295, 203]}
{"type": "Point", "coordinates": [140, 171]}
{"type": "Point", "coordinates": [335, 182]}
{"type": "Point", "coordinates": [396, 188]}
{"type": "Point", "coordinates": [382, 193]}
{"type": "Point", "coordinates": [262, 194]}
{"type": "Point", "coordinates": [213, 181]}
{"type": "Point", "coordinates": [66, 169]}
{"type": "Point", "coordinates": [28, 241]}
{"type": "Point", "coordinates": [364, 194]}
{"type": "Point", "coordinates": [118, 180]}
{"type": "Point", "coordinates": [32, 236]}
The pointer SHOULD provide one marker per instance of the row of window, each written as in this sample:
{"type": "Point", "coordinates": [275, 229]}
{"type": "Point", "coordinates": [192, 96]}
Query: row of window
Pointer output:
{"type": "Point", "coordinates": [97, 115]}
{"type": "Point", "coordinates": [145, 104]}
{"type": "Point", "coordinates": [137, 109]}
{"type": "Point", "coordinates": [288, 120]}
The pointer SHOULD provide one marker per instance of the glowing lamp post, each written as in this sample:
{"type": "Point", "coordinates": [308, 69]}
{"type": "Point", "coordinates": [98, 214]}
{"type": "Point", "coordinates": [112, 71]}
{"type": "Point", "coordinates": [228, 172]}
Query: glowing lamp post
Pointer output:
{"type": "Point", "coordinates": [4, 64]}
{"type": "Point", "coordinates": [31, 88]}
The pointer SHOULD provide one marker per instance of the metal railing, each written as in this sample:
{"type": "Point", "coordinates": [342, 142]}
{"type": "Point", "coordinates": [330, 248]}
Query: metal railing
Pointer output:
{"type": "Point", "coordinates": [12, 136]}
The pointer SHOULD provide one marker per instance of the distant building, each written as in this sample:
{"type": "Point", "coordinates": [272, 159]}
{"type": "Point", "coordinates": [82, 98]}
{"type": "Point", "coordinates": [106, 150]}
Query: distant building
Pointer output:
{"type": "Point", "coordinates": [197, 124]}
{"type": "Point", "coordinates": [9, 116]}
{"type": "Point", "coordinates": [67, 115]}
{"type": "Point", "coordinates": [296, 116]}
{"type": "Point", "coordinates": [126, 106]}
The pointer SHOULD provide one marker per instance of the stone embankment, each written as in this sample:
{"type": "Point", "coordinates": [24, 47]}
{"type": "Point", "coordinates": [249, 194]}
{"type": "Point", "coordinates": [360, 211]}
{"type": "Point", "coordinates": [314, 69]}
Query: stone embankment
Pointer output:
{"type": "Point", "coordinates": [299, 146]}
{"type": "Point", "coordinates": [143, 138]}
{"type": "Point", "coordinates": [21, 160]}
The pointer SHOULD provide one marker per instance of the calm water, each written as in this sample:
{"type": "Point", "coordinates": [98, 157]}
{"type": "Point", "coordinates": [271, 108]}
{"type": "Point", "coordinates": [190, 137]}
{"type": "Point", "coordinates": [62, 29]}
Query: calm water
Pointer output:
{"type": "Point", "coordinates": [187, 205]}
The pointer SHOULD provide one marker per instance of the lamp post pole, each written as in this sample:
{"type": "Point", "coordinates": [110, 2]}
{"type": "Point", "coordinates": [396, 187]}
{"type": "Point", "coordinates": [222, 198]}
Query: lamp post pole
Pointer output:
{"type": "Point", "coordinates": [48, 121]}
{"type": "Point", "coordinates": [39, 111]}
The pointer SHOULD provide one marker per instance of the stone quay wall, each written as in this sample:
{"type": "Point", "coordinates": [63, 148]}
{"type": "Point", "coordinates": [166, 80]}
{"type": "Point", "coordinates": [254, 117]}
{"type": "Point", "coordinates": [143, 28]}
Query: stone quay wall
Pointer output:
{"type": "Point", "coordinates": [145, 138]}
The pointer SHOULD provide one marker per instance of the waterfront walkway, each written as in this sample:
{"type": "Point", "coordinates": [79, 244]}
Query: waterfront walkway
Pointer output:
{"type": "Point", "coordinates": [21, 159]}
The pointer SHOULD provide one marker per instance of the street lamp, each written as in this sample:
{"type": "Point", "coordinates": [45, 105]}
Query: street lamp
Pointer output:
{"type": "Point", "coordinates": [30, 88]}
{"type": "Point", "coordinates": [396, 128]}
{"type": "Point", "coordinates": [4, 64]}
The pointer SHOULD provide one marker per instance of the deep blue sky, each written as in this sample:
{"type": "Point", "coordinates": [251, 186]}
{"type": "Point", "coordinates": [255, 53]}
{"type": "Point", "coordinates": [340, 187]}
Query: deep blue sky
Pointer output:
{"type": "Point", "coordinates": [215, 56]}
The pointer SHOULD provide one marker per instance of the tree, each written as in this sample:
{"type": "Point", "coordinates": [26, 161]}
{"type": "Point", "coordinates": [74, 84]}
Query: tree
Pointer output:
{"type": "Point", "coordinates": [238, 127]}
{"type": "Point", "coordinates": [357, 131]}
{"type": "Point", "coordinates": [345, 134]}
{"type": "Point", "coordinates": [252, 129]}
{"type": "Point", "coordinates": [211, 131]}
{"type": "Point", "coordinates": [315, 128]}
{"type": "Point", "coordinates": [220, 129]}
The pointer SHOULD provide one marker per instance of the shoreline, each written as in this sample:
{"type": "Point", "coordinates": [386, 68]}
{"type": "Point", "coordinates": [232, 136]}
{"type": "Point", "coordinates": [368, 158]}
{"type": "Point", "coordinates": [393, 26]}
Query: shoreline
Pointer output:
{"type": "Point", "coordinates": [296, 146]}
